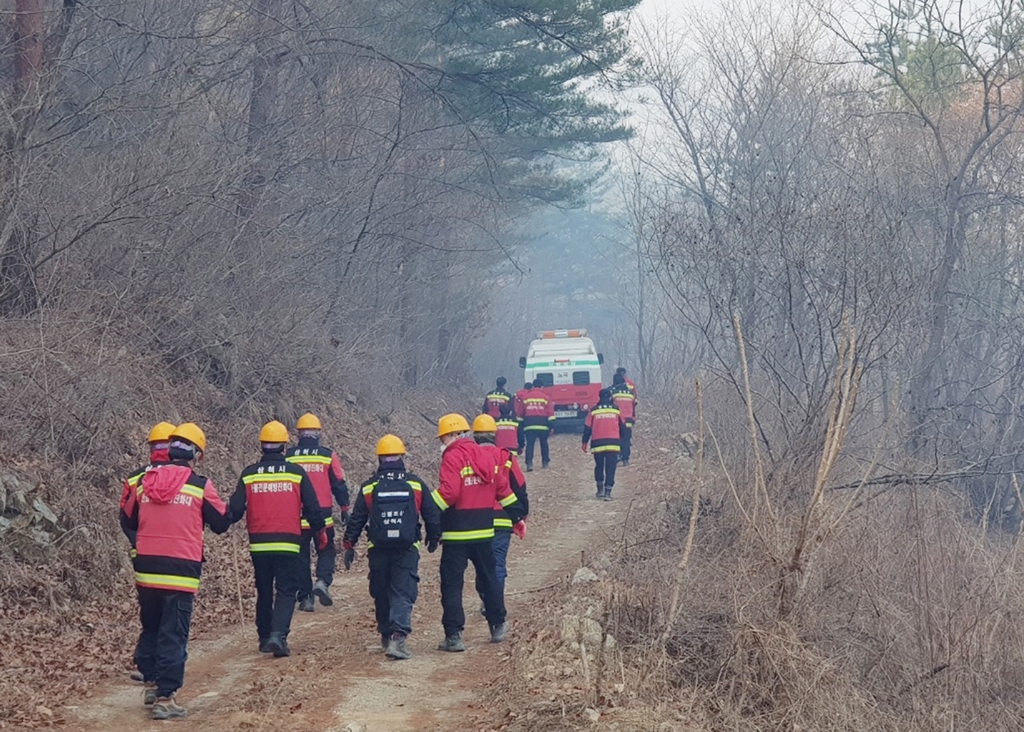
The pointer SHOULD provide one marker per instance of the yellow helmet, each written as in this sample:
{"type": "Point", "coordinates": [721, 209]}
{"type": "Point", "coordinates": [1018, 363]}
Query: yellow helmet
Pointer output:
{"type": "Point", "coordinates": [484, 423]}
{"type": "Point", "coordinates": [274, 432]}
{"type": "Point", "coordinates": [450, 423]}
{"type": "Point", "coordinates": [390, 445]}
{"type": "Point", "coordinates": [190, 432]}
{"type": "Point", "coordinates": [161, 432]}
{"type": "Point", "coordinates": [308, 421]}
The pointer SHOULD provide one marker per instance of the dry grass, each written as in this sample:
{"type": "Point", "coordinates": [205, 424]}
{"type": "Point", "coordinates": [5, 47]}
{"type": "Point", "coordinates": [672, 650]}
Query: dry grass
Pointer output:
{"type": "Point", "coordinates": [903, 614]}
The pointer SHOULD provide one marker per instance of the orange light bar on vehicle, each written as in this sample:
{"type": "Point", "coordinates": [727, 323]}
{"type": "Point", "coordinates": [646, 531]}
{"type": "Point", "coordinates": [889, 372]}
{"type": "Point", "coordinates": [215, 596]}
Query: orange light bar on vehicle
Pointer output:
{"type": "Point", "coordinates": [563, 333]}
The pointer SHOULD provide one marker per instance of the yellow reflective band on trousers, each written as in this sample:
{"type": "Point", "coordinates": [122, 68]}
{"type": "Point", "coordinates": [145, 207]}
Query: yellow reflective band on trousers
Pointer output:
{"type": "Point", "coordinates": [508, 500]}
{"type": "Point", "coordinates": [274, 546]}
{"type": "Point", "coordinates": [476, 535]}
{"type": "Point", "coordinates": [441, 503]}
{"type": "Point", "coordinates": [329, 521]}
{"type": "Point", "coordinates": [167, 580]}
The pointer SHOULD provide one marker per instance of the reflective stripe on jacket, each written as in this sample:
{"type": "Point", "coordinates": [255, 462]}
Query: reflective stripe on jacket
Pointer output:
{"type": "Point", "coordinates": [602, 428]}
{"type": "Point", "coordinates": [167, 512]}
{"type": "Point", "coordinates": [274, 495]}
{"type": "Point", "coordinates": [470, 484]}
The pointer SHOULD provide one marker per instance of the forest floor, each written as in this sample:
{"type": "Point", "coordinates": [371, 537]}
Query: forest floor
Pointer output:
{"type": "Point", "coordinates": [337, 677]}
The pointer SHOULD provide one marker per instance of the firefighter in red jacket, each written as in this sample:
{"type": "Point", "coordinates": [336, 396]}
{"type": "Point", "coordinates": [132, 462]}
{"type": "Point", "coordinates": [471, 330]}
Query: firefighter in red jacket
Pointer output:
{"type": "Point", "coordinates": [625, 399]}
{"type": "Point", "coordinates": [538, 424]}
{"type": "Point", "coordinates": [274, 496]}
{"type": "Point", "coordinates": [602, 431]}
{"type": "Point", "coordinates": [509, 431]}
{"type": "Point", "coordinates": [324, 470]}
{"type": "Point", "coordinates": [469, 487]}
{"type": "Point", "coordinates": [390, 505]}
{"type": "Point", "coordinates": [496, 399]}
{"type": "Point", "coordinates": [159, 442]}
{"type": "Point", "coordinates": [621, 371]}
{"type": "Point", "coordinates": [519, 400]}
{"type": "Point", "coordinates": [167, 512]}
{"type": "Point", "coordinates": [484, 433]}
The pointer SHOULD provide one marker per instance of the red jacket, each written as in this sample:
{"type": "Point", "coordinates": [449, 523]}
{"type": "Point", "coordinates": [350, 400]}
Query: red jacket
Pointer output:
{"type": "Point", "coordinates": [494, 401]}
{"type": "Point", "coordinates": [325, 472]}
{"type": "Point", "coordinates": [274, 496]}
{"type": "Point", "coordinates": [156, 457]}
{"type": "Point", "coordinates": [470, 485]}
{"type": "Point", "coordinates": [625, 400]}
{"type": "Point", "coordinates": [601, 428]}
{"type": "Point", "coordinates": [167, 511]}
{"type": "Point", "coordinates": [517, 482]}
{"type": "Point", "coordinates": [538, 412]}
{"type": "Point", "coordinates": [519, 402]}
{"type": "Point", "coordinates": [508, 435]}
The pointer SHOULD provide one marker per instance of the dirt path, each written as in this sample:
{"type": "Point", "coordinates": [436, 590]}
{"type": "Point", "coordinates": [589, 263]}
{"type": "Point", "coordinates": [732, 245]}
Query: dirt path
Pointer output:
{"type": "Point", "coordinates": [338, 679]}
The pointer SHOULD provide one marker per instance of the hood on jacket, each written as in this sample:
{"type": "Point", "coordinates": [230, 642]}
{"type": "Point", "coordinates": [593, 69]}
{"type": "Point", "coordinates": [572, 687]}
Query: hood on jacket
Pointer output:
{"type": "Point", "coordinates": [483, 459]}
{"type": "Point", "coordinates": [163, 483]}
{"type": "Point", "coordinates": [159, 453]}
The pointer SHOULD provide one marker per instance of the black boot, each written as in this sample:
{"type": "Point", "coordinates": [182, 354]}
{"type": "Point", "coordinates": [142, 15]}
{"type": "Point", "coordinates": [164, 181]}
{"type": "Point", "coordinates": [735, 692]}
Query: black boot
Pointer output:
{"type": "Point", "coordinates": [607, 493]}
{"type": "Point", "coordinates": [278, 645]}
{"type": "Point", "coordinates": [600, 491]}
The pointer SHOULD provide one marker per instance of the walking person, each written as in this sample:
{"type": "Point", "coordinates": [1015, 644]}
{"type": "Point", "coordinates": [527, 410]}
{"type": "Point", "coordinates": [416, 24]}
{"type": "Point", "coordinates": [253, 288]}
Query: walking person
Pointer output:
{"type": "Point", "coordinates": [538, 424]}
{"type": "Point", "coordinates": [159, 441]}
{"type": "Point", "coordinates": [167, 512]}
{"type": "Point", "coordinates": [625, 399]}
{"type": "Point", "coordinates": [496, 399]}
{"type": "Point", "coordinates": [323, 467]}
{"type": "Point", "coordinates": [484, 434]}
{"type": "Point", "coordinates": [602, 431]}
{"type": "Point", "coordinates": [390, 506]}
{"type": "Point", "coordinates": [469, 486]}
{"type": "Point", "coordinates": [274, 496]}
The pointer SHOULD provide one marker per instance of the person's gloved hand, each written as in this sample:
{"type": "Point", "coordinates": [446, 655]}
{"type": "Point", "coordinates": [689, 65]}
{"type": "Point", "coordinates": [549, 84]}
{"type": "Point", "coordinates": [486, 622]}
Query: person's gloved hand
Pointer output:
{"type": "Point", "coordinates": [432, 545]}
{"type": "Point", "coordinates": [519, 529]}
{"type": "Point", "coordinates": [321, 539]}
{"type": "Point", "coordinates": [584, 447]}
{"type": "Point", "coordinates": [350, 556]}
{"type": "Point", "coordinates": [343, 519]}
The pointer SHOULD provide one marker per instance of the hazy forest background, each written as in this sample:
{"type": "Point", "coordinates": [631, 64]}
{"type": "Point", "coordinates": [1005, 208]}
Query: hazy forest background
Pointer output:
{"type": "Point", "coordinates": [225, 210]}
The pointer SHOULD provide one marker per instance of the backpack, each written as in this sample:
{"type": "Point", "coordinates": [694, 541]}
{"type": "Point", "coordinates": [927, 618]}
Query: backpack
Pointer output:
{"type": "Point", "coordinates": [394, 520]}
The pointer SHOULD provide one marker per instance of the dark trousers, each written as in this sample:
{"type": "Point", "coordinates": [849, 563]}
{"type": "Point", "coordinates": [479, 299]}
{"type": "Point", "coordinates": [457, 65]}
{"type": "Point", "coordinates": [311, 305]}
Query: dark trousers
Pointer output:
{"type": "Point", "coordinates": [325, 561]}
{"type": "Point", "coordinates": [531, 439]}
{"type": "Point", "coordinates": [604, 467]}
{"type": "Point", "coordinates": [502, 539]}
{"type": "Point", "coordinates": [626, 439]}
{"type": "Point", "coordinates": [275, 573]}
{"type": "Point", "coordinates": [455, 555]}
{"type": "Point", "coordinates": [160, 655]}
{"type": "Point", "coordinates": [394, 586]}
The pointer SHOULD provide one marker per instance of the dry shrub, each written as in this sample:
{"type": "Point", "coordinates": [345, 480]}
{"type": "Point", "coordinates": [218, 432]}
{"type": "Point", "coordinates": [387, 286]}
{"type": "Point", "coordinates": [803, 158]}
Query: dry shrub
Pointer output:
{"type": "Point", "coordinates": [909, 617]}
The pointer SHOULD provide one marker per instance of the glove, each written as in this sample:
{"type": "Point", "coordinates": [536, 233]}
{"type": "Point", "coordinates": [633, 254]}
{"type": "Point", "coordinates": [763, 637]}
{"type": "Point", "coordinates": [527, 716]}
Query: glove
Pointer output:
{"type": "Point", "coordinates": [520, 529]}
{"type": "Point", "coordinates": [321, 539]}
{"type": "Point", "coordinates": [584, 447]}
{"type": "Point", "coordinates": [432, 545]}
{"type": "Point", "coordinates": [350, 556]}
